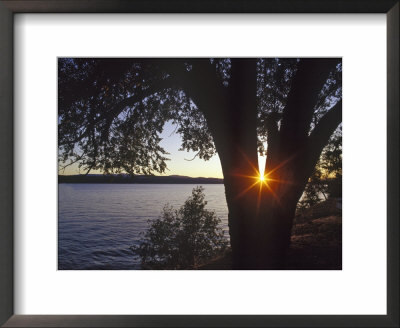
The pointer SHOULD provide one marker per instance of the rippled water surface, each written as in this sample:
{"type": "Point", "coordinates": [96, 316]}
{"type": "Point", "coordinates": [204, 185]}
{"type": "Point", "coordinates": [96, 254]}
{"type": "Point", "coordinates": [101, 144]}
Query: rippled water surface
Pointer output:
{"type": "Point", "coordinates": [97, 223]}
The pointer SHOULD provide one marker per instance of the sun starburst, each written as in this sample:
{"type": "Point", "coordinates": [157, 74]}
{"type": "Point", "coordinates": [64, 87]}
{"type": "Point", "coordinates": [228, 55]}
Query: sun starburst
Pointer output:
{"type": "Point", "coordinates": [266, 182]}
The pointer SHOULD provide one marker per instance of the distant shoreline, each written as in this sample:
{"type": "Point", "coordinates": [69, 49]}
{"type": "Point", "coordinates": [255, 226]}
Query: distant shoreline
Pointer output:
{"type": "Point", "coordinates": [138, 179]}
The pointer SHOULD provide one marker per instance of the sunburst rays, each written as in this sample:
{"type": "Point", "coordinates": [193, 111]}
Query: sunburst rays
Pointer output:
{"type": "Point", "coordinates": [264, 181]}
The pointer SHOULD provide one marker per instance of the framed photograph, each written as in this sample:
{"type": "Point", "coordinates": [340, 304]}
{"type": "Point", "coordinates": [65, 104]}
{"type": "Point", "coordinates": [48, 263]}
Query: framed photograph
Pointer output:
{"type": "Point", "coordinates": [182, 163]}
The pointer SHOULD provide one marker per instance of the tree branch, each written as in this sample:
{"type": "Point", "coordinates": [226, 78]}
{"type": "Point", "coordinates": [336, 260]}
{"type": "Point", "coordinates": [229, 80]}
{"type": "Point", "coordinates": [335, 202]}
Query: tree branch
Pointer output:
{"type": "Point", "coordinates": [307, 84]}
{"type": "Point", "coordinates": [130, 101]}
{"type": "Point", "coordinates": [193, 157]}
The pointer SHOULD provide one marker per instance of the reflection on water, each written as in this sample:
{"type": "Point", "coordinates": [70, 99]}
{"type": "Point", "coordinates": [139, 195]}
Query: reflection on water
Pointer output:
{"type": "Point", "coordinates": [97, 223]}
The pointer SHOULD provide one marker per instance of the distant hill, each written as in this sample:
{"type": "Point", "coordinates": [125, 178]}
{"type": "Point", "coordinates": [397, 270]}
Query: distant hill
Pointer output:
{"type": "Point", "coordinates": [124, 178]}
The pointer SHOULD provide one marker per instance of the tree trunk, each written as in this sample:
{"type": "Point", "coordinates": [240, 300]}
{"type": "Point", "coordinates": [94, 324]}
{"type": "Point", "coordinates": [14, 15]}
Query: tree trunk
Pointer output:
{"type": "Point", "coordinates": [260, 222]}
{"type": "Point", "coordinates": [261, 214]}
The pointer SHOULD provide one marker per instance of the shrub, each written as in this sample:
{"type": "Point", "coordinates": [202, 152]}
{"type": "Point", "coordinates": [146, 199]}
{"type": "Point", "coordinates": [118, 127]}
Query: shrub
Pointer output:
{"type": "Point", "coordinates": [184, 238]}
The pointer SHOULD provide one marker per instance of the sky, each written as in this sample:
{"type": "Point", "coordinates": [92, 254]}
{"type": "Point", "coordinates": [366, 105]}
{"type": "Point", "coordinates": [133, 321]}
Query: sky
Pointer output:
{"type": "Point", "coordinates": [178, 164]}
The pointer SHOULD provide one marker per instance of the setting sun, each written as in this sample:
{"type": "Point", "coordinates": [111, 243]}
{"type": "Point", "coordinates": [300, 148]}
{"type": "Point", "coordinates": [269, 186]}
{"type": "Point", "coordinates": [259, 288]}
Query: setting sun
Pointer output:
{"type": "Point", "coordinates": [262, 178]}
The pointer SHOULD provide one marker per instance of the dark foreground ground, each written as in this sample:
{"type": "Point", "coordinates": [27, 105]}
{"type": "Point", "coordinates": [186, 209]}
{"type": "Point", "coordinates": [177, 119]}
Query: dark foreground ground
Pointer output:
{"type": "Point", "coordinates": [316, 241]}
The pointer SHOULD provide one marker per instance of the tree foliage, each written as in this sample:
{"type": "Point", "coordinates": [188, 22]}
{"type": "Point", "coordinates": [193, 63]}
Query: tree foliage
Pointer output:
{"type": "Point", "coordinates": [112, 111]}
{"type": "Point", "coordinates": [326, 180]}
{"type": "Point", "coordinates": [183, 238]}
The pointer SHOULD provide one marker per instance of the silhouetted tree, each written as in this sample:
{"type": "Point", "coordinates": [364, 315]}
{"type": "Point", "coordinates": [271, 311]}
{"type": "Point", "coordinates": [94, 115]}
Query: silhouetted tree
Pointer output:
{"type": "Point", "coordinates": [183, 238]}
{"type": "Point", "coordinates": [111, 112]}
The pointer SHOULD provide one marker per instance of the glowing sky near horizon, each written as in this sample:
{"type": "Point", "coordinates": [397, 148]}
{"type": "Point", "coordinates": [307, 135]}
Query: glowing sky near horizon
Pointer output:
{"type": "Point", "coordinates": [178, 163]}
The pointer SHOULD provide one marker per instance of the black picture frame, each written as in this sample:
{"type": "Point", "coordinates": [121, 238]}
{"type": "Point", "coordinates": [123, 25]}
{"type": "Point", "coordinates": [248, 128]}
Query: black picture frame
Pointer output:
{"type": "Point", "coordinates": [10, 7]}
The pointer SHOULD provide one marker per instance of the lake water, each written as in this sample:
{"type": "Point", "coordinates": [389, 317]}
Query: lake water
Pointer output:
{"type": "Point", "coordinates": [97, 223]}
